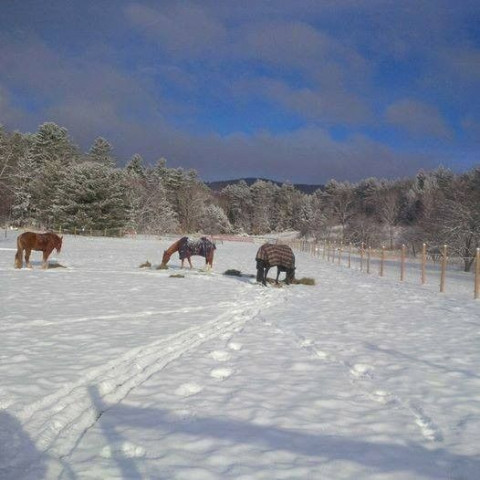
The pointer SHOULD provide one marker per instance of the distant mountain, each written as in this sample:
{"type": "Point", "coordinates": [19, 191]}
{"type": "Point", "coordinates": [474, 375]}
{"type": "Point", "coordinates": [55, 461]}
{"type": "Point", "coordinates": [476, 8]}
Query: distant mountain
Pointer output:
{"type": "Point", "coordinates": [220, 184]}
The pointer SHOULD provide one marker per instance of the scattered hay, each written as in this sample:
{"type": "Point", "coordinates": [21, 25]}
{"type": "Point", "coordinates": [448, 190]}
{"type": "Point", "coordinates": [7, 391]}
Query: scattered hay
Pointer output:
{"type": "Point", "coordinates": [304, 281]}
{"type": "Point", "coordinates": [162, 267]}
{"type": "Point", "coordinates": [176, 275]}
{"type": "Point", "coordinates": [237, 273]}
{"type": "Point", "coordinates": [296, 281]}
{"type": "Point", "coordinates": [56, 265]}
{"type": "Point", "coordinates": [146, 264]}
{"type": "Point", "coordinates": [233, 272]}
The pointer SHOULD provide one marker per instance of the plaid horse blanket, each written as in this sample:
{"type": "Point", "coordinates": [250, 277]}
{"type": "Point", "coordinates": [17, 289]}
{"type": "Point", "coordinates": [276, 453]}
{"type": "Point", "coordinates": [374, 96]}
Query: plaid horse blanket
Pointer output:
{"type": "Point", "coordinates": [188, 247]}
{"type": "Point", "coordinates": [276, 255]}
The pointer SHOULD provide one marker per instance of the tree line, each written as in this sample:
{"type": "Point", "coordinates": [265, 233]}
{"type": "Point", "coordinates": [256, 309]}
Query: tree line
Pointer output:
{"type": "Point", "coordinates": [47, 182]}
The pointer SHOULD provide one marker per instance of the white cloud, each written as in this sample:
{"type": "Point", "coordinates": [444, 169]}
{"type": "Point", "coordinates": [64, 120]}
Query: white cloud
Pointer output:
{"type": "Point", "coordinates": [179, 28]}
{"type": "Point", "coordinates": [418, 119]}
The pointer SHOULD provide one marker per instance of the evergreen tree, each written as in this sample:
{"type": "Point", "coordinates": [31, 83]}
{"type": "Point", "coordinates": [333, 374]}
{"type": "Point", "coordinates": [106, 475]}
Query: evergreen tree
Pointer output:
{"type": "Point", "coordinates": [101, 152]}
{"type": "Point", "coordinates": [93, 196]}
{"type": "Point", "coordinates": [135, 167]}
{"type": "Point", "coordinates": [40, 173]}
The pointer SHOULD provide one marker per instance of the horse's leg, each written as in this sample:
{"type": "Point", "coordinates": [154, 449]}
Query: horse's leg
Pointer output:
{"type": "Point", "coordinates": [46, 254]}
{"type": "Point", "coordinates": [19, 258]}
{"type": "Point", "coordinates": [190, 262]}
{"type": "Point", "coordinates": [27, 257]}
{"type": "Point", "coordinates": [265, 273]}
{"type": "Point", "coordinates": [278, 275]}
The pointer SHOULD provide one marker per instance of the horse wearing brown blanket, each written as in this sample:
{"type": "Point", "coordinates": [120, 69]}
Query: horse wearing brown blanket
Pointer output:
{"type": "Point", "coordinates": [280, 256]}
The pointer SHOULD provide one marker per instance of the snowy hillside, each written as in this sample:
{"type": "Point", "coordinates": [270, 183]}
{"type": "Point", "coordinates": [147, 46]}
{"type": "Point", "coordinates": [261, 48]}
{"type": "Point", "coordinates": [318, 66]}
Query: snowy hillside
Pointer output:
{"type": "Point", "coordinates": [110, 371]}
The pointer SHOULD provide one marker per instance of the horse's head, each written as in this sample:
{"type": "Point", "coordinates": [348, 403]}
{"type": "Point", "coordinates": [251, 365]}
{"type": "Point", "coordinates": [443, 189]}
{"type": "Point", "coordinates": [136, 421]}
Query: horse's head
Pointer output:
{"type": "Point", "coordinates": [290, 275]}
{"type": "Point", "coordinates": [58, 243]}
{"type": "Point", "coordinates": [165, 258]}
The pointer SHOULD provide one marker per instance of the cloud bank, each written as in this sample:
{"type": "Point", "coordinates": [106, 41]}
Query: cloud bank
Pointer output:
{"type": "Point", "coordinates": [301, 91]}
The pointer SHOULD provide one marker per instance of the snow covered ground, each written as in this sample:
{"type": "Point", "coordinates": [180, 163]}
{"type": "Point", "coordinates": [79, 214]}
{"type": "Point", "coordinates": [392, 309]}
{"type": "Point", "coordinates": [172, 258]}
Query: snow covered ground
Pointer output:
{"type": "Point", "coordinates": [109, 371]}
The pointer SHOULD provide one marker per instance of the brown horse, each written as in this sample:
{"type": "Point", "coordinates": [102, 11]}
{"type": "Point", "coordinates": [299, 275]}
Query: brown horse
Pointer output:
{"type": "Point", "coordinates": [187, 247]}
{"type": "Point", "coordinates": [43, 242]}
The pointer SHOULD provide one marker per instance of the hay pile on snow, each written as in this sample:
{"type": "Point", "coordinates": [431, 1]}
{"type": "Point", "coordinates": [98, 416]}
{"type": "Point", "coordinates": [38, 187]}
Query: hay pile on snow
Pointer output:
{"type": "Point", "coordinates": [304, 281]}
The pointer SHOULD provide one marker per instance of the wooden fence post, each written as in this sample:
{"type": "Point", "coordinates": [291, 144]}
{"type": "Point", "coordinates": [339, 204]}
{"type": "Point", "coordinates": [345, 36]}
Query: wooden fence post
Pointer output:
{"type": "Point", "coordinates": [402, 264]}
{"type": "Point", "coordinates": [369, 252]}
{"type": "Point", "coordinates": [382, 260]}
{"type": "Point", "coordinates": [477, 275]}
{"type": "Point", "coordinates": [349, 255]}
{"type": "Point", "coordinates": [340, 255]}
{"type": "Point", "coordinates": [424, 261]}
{"type": "Point", "coordinates": [444, 269]}
{"type": "Point", "coordinates": [361, 257]}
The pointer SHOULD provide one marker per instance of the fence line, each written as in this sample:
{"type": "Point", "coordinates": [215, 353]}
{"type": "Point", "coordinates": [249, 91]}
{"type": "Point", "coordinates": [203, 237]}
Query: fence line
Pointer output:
{"type": "Point", "coordinates": [366, 258]}
{"type": "Point", "coordinates": [334, 253]}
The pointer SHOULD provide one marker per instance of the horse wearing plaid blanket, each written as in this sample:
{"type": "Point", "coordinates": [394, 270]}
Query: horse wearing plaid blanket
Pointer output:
{"type": "Point", "coordinates": [280, 256]}
{"type": "Point", "coordinates": [187, 247]}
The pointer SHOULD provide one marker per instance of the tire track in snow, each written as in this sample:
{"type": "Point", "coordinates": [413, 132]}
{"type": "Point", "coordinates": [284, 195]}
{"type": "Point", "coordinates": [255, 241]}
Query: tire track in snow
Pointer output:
{"type": "Point", "coordinates": [145, 314]}
{"type": "Point", "coordinates": [57, 422]}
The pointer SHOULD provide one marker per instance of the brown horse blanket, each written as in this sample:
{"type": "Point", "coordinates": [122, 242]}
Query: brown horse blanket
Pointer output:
{"type": "Point", "coordinates": [276, 255]}
{"type": "Point", "coordinates": [188, 247]}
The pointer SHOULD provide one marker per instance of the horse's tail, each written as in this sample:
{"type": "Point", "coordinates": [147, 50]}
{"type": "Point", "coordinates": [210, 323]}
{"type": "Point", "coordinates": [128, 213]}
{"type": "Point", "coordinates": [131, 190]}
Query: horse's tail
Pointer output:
{"type": "Point", "coordinates": [18, 255]}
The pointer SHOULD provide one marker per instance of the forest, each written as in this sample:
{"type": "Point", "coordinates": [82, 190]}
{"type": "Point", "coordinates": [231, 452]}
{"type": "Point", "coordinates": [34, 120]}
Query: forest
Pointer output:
{"type": "Point", "coordinates": [46, 182]}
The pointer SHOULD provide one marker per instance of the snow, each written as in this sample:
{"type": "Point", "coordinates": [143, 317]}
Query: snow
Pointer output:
{"type": "Point", "coordinates": [111, 371]}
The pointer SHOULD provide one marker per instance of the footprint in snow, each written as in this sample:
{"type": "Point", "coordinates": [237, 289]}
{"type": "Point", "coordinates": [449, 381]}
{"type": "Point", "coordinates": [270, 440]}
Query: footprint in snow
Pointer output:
{"type": "Point", "coordinates": [385, 398]}
{"type": "Point", "coordinates": [221, 373]}
{"type": "Point", "coordinates": [235, 346]}
{"type": "Point", "coordinates": [127, 449]}
{"type": "Point", "coordinates": [321, 354]}
{"type": "Point", "coordinates": [188, 389]}
{"type": "Point", "coordinates": [361, 370]}
{"type": "Point", "coordinates": [220, 355]}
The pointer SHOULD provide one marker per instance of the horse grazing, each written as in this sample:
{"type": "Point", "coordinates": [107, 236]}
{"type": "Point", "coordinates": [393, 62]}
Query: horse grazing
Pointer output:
{"type": "Point", "coordinates": [280, 256]}
{"type": "Point", "coordinates": [43, 242]}
{"type": "Point", "coordinates": [187, 247]}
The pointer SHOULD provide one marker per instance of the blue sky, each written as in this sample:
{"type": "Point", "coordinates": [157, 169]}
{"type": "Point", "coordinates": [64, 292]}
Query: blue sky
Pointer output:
{"type": "Point", "coordinates": [299, 90]}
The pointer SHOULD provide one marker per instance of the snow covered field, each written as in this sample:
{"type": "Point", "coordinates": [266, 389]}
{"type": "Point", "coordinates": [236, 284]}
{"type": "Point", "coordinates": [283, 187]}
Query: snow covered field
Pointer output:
{"type": "Point", "coordinates": [109, 371]}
